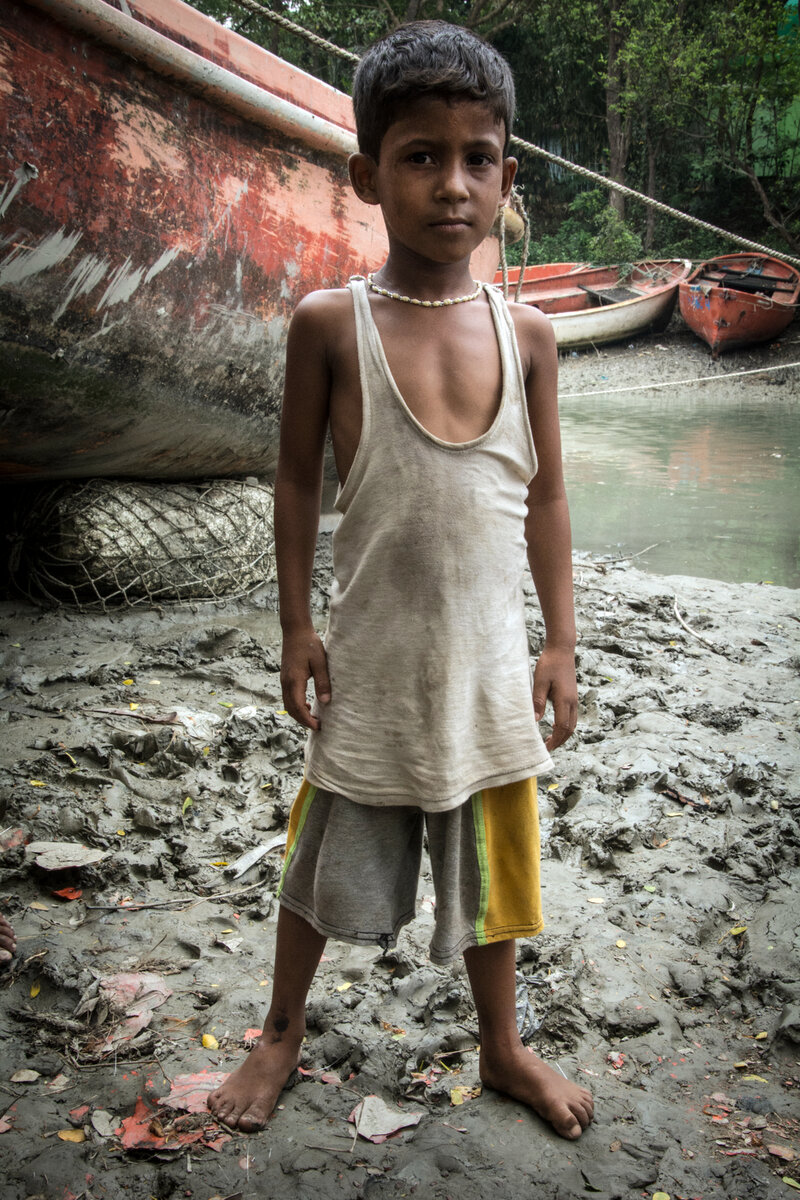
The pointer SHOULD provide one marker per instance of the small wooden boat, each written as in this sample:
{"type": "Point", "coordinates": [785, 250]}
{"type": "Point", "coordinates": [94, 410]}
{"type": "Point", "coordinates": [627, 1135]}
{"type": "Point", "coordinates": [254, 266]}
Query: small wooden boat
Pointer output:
{"type": "Point", "coordinates": [171, 191]}
{"type": "Point", "coordinates": [590, 306]}
{"type": "Point", "coordinates": [737, 299]}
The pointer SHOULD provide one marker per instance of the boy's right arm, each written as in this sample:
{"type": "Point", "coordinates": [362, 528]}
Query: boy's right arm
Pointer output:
{"type": "Point", "coordinates": [298, 489]}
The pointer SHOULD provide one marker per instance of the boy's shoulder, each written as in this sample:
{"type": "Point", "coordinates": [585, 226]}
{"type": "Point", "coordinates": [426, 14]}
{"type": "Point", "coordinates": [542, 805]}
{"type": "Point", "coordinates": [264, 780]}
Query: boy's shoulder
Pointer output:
{"type": "Point", "coordinates": [326, 308]}
{"type": "Point", "coordinates": [535, 334]}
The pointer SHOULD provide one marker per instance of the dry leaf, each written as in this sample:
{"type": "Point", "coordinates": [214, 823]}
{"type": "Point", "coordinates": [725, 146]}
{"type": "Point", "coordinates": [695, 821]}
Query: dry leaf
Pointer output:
{"type": "Point", "coordinates": [210, 1042]}
{"type": "Point", "coordinates": [72, 1135]}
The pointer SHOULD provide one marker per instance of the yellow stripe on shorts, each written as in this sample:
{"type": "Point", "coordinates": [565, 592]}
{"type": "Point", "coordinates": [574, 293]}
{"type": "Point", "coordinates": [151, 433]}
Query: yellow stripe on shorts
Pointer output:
{"type": "Point", "coordinates": [297, 819]}
{"type": "Point", "coordinates": [506, 825]}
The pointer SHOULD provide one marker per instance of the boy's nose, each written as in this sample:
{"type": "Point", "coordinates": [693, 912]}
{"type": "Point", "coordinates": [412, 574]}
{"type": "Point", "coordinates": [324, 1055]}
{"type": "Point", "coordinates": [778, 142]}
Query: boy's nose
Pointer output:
{"type": "Point", "coordinates": [453, 184]}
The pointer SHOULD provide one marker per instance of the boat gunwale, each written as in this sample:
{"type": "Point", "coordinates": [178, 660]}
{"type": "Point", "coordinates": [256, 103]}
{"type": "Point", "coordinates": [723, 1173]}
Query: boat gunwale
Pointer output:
{"type": "Point", "coordinates": [202, 76]}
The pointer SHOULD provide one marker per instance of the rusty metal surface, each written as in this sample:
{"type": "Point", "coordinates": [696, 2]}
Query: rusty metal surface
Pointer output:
{"type": "Point", "coordinates": [152, 249]}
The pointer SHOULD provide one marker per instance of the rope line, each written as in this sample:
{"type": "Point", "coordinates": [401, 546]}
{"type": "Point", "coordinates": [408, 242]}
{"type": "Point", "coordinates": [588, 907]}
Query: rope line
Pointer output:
{"type": "Point", "coordinates": [646, 387]}
{"type": "Point", "coordinates": [261, 10]}
{"type": "Point", "coordinates": [255, 6]}
{"type": "Point", "coordinates": [652, 203]}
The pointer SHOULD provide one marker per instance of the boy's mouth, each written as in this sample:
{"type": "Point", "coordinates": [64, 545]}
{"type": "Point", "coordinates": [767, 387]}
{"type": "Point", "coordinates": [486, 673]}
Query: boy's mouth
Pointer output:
{"type": "Point", "coordinates": [451, 223]}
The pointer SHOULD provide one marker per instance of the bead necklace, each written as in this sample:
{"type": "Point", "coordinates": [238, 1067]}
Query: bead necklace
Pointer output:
{"type": "Point", "coordinates": [376, 287]}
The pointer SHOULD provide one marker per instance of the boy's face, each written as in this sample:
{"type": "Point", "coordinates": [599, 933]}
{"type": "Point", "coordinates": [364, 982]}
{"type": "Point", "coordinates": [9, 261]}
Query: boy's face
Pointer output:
{"type": "Point", "coordinates": [440, 178]}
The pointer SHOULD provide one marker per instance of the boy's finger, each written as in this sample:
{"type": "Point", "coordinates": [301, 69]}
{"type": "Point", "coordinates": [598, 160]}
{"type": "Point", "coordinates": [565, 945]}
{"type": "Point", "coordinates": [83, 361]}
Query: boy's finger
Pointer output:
{"type": "Point", "coordinates": [296, 705]}
{"type": "Point", "coordinates": [322, 681]}
{"type": "Point", "coordinates": [565, 717]}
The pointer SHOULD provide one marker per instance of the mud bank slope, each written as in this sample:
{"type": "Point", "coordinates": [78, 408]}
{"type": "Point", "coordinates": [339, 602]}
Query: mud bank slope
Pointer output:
{"type": "Point", "coordinates": [666, 978]}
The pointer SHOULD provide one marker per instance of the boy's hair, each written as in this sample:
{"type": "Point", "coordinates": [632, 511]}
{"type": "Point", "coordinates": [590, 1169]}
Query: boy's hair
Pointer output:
{"type": "Point", "coordinates": [427, 58]}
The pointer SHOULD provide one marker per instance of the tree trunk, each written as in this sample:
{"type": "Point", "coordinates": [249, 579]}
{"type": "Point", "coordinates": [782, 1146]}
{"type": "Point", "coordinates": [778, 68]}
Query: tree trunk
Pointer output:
{"type": "Point", "coordinates": [618, 129]}
{"type": "Point", "coordinates": [650, 224]}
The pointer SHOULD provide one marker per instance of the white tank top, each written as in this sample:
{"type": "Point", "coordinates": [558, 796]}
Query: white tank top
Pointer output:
{"type": "Point", "coordinates": [426, 640]}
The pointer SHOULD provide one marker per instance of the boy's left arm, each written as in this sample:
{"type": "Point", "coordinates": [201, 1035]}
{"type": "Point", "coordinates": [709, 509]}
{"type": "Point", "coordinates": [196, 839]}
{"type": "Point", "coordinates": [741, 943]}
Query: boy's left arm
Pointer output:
{"type": "Point", "coordinates": [547, 528]}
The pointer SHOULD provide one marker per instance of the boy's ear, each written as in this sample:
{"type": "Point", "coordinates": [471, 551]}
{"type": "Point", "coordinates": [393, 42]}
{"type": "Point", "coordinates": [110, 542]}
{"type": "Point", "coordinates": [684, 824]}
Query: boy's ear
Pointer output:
{"type": "Point", "coordinates": [509, 172]}
{"type": "Point", "coordinates": [363, 170]}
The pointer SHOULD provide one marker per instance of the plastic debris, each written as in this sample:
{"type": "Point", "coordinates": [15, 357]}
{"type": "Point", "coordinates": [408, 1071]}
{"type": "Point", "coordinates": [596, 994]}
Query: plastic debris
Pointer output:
{"type": "Point", "coordinates": [25, 1076]}
{"type": "Point", "coordinates": [190, 1092]}
{"type": "Point", "coordinates": [60, 856]}
{"type": "Point", "coordinates": [133, 996]}
{"type": "Point", "coordinates": [527, 1021]}
{"type": "Point", "coordinates": [784, 1152]}
{"type": "Point", "coordinates": [376, 1121]}
{"type": "Point", "coordinates": [248, 860]}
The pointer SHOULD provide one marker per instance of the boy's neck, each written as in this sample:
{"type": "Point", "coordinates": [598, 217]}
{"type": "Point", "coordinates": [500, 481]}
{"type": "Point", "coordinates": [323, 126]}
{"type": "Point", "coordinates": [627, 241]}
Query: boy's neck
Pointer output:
{"type": "Point", "coordinates": [425, 280]}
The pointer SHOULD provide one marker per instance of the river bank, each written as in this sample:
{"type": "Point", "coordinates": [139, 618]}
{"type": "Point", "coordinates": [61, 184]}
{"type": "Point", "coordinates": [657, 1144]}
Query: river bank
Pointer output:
{"type": "Point", "coordinates": [666, 978]}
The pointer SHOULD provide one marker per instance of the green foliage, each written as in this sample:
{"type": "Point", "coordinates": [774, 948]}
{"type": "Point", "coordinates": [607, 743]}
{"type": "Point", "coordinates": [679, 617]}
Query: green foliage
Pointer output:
{"type": "Point", "coordinates": [696, 103]}
{"type": "Point", "coordinates": [593, 232]}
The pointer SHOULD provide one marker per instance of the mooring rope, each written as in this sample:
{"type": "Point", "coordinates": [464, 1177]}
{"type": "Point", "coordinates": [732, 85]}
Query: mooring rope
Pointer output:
{"type": "Point", "coordinates": [260, 9]}
{"type": "Point", "coordinates": [646, 387]}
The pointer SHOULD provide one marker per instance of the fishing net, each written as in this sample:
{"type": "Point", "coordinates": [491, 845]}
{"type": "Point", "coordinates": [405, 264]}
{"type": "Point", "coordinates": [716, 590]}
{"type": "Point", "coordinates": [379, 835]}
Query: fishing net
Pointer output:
{"type": "Point", "coordinates": [104, 544]}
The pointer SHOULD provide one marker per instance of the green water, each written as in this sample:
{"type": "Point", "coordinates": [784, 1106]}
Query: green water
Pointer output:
{"type": "Point", "coordinates": [712, 477]}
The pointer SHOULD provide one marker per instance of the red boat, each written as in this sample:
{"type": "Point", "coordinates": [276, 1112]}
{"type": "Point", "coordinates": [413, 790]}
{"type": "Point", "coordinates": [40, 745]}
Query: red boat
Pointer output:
{"type": "Point", "coordinates": [738, 299]}
{"type": "Point", "coordinates": [171, 191]}
{"type": "Point", "coordinates": [591, 306]}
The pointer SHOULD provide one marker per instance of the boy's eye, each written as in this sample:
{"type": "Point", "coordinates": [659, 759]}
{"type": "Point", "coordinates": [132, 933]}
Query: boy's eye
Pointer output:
{"type": "Point", "coordinates": [419, 156]}
{"type": "Point", "coordinates": [480, 160]}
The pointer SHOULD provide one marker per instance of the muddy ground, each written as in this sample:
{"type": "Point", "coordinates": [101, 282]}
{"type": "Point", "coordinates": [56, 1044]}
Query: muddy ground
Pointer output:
{"type": "Point", "coordinates": [666, 978]}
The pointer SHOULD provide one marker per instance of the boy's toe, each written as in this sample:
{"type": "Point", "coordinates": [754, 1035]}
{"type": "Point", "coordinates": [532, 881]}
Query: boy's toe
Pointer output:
{"type": "Point", "coordinates": [253, 1119]}
{"type": "Point", "coordinates": [6, 956]}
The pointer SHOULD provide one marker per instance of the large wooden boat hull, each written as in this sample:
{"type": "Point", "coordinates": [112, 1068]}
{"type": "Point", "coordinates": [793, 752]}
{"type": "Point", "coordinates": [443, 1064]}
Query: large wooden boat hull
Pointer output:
{"type": "Point", "coordinates": [739, 299]}
{"type": "Point", "coordinates": [593, 306]}
{"type": "Point", "coordinates": [172, 191]}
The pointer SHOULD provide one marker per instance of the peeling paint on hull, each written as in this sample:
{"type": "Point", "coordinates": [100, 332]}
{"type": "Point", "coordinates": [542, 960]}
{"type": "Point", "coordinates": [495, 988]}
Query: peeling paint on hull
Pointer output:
{"type": "Point", "coordinates": [152, 248]}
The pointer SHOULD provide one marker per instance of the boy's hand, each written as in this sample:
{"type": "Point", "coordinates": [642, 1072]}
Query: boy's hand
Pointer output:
{"type": "Point", "coordinates": [304, 658]}
{"type": "Point", "coordinates": [554, 679]}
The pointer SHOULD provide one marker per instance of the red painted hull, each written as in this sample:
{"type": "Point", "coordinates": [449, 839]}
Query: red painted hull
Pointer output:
{"type": "Point", "coordinates": [727, 316]}
{"type": "Point", "coordinates": [157, 228]}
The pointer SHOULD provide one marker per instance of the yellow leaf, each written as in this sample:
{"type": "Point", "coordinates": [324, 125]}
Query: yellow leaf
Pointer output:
{"type": "Point", "coordinates": [210, 1042]}
{"type": "Point", "coordinates": [39, 907]}
{"type": "Point", "coordinates": [72, 1135]}
{"type": "Point", "coordinates": [461, 1093]}
{"type": "Point", "coordinates": [206, 749]}
{"type": "Point", "coordinates": [760, 1037]}
{"type": "Point", "coordinates": [221, 862]}
{"type": "Point", "coordinates": [621, 944]}
{"type": "Point", "coordinates": [121, 832]}
{"type": "Point", "coordinates": [791, 1182]}
{"type": "Point", "coordinates": [756, 1078]}
{"type": "Point", "coordinates": [662, 1195]}
{"type": "Point", "coordinates": [739, 1065]}
{"type": "Point", "coordinates": [35, 989]}
{"type": "Point", "coordinates": [133, 707]}
{"type": "Point", "coordinates": [737, 929]}
{"type": "Point", "coordinates": [552, 787]}
{"type": "Point", "coordinates": [343, 987]}
{"type": "Point", "coordinates": [36, 783]}
{"type": "Point", "coordinates": [225, 703]}
{"type": "Point", "coordinates": [127, 682]}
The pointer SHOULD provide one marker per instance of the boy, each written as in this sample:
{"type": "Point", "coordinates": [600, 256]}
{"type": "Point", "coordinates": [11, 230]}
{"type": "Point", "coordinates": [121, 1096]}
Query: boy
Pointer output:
{"type": "Point", "coordinates": [438, 406]}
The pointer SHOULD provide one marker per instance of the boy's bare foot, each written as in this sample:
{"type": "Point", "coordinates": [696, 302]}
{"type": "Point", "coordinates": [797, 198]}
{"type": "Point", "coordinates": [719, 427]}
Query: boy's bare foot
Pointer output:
{"type": "Point", "coordinates": [520, 1074]}
{"type": "Point", "coordinates": [8, 942]}
{"type": "Point", "coordinates": [247, 1097]}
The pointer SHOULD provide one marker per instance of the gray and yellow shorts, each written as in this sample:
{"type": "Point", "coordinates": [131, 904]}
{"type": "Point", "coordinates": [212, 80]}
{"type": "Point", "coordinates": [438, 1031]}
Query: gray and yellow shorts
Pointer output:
{"type": "Point", "coordinates": [351, 870]}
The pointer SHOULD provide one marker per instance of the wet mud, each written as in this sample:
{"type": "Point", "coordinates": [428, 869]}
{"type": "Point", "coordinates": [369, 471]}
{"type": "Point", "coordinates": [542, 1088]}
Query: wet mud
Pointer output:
{"type": "Point", "coordinates": [152, 748]}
